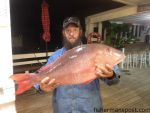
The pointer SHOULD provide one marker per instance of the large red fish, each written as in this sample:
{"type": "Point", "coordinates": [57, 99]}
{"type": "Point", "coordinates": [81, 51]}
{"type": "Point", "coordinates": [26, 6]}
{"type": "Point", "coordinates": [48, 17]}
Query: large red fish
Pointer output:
{"type": "Point", "coordinates": [76, 66]}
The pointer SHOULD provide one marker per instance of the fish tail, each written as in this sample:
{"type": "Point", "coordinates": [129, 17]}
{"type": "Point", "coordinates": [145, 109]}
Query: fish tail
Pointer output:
{"type": "Point", "coordinates": [23, 80]}
{"type": "Point", "coordinates": [23, 86]}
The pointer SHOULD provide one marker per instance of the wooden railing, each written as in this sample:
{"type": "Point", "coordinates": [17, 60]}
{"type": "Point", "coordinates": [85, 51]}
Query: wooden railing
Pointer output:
{"type": "Point", "coordinates": [29, 62]}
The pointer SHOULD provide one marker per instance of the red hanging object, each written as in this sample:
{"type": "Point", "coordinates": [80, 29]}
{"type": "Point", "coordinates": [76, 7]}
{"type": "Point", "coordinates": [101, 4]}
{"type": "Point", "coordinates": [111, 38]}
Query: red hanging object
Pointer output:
{"type": "Point", "coordinates": [45, 22]}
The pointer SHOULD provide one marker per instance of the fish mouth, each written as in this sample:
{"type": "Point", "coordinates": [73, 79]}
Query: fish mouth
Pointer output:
{"type": "Point", "coordinates": [120, 59]}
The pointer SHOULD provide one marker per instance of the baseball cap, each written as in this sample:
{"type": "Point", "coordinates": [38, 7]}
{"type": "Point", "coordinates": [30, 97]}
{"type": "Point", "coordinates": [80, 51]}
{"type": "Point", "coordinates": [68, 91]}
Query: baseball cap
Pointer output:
{"type": "Point", "coordinates": [71, 20]}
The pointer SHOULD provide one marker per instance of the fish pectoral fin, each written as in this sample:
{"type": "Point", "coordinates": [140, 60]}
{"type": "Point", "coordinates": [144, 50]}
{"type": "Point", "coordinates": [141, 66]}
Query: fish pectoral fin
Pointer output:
{"type": "Point", "coordinates": [24, 81]}
{"type": "Point", "coordinates": [87, 70]}
{"type": "Point", "coordinates": [23, 86]}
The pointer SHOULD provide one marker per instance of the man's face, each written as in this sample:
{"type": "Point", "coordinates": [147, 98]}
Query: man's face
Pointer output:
{"type": "Point", "coordinates": [72, 36]}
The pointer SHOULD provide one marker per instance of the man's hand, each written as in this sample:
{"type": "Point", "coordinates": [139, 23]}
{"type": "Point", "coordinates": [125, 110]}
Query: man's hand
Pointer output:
{"type": "Point", "coordinates": [47, 85]}
{"type": "Point", "coordinates": [102, 71]}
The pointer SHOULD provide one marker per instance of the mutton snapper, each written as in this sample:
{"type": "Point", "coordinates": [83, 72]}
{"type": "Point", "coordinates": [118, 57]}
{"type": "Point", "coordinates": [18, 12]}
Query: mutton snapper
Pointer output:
{"type": "Point", "coordinates": [76, 66]}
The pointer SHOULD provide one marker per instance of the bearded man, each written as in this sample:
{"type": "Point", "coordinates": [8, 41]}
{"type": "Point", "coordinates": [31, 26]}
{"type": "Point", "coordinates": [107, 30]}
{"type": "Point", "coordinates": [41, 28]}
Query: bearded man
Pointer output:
{"type": "Point", "coordinates": [77, 98]}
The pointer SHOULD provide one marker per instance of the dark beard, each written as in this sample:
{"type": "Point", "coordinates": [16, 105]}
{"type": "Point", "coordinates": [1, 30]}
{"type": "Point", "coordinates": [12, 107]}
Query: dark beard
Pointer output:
{"type": "Point", "coordinates": [69, 45]}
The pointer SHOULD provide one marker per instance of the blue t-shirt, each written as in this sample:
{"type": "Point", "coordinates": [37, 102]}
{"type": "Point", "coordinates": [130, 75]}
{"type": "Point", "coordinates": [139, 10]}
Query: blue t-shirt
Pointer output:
{"type": "Point", "coordinates": [78, 98]}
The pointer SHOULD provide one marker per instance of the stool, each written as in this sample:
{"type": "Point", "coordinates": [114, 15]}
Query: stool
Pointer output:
{"type": "Point", "coordinates": [134, 60]}
{"type": "Point", "coordinates": [143, 59]}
